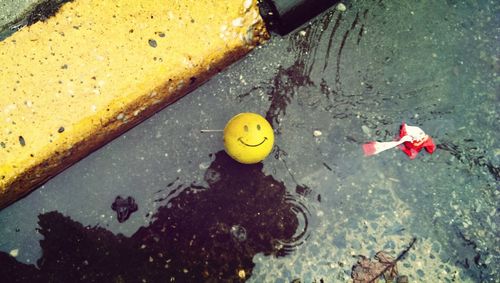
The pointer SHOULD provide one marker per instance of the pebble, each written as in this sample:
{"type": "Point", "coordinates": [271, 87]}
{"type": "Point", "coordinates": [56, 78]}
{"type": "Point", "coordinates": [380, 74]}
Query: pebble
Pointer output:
{"type": "Point", "coordinates": [14, 252]}
{"type": "Point", "coordinates": [22, 142]}
{"type": "Point", "coordinates": [356, 245]}
{"type": "Point", "coordinates": [340, 241]}
{"type": "Point", "coordinates": [239, 233]}
{"type": "Point", "coordinates": [366, 130]}
{"type": "Point", "coordinates": [204, 165]}
{"type": "Point", "coordinates": [436, 247]}
{"type": "Point", "coordinates": [247, 4]}
{"type": "Point", "coordinates": [308, 277]}
{"type": "Point", "coordinates": [341, 7]}
{"type": "Point", "coordinates": [241, 274]}
{"type": "Point", "coordinates": [390, 245]}
{"type": "Point", "coordinates": [238, 22]}
{"type": "Point", "coordinates": [287, 273]}
{"type": "Point", "coordinates": [152, 43]}
{"type": "Point", "coordinates": [372, 239]}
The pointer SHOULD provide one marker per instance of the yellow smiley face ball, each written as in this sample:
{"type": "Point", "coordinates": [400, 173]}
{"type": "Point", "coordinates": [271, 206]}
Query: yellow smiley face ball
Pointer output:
{"type": "Point", "coordinates": [248, 138]}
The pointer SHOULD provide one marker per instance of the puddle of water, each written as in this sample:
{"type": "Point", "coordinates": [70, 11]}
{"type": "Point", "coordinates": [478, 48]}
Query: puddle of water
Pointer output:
{"type": "Point", "coordinates": [200, 234]}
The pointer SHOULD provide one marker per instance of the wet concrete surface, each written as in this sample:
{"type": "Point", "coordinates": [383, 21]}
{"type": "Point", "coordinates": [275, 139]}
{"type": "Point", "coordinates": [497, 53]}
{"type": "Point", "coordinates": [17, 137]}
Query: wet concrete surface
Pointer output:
{"type": "Point", "coordinates": [316, 203]}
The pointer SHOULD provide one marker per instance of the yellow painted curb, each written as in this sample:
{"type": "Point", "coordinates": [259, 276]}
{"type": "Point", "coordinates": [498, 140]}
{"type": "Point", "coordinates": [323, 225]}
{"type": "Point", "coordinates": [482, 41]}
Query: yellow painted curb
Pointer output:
{"type": "Point", "coordinates": [76, 81]}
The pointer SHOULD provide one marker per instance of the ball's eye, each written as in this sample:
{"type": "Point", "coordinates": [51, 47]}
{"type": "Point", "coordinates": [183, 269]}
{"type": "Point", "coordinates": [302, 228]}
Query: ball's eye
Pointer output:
{"type": "Point", "coordinates": [258, 127]}
{"type": "Point", "coordinates": [245, 128]}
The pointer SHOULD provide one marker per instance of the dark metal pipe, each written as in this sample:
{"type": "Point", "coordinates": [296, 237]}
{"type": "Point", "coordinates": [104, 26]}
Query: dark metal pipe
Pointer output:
{"type": "Point", "coordinates": [284, 16]}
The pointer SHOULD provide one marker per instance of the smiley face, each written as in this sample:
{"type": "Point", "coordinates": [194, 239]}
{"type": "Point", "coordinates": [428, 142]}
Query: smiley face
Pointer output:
{"type": "Point", "coordinates": [248, 138]}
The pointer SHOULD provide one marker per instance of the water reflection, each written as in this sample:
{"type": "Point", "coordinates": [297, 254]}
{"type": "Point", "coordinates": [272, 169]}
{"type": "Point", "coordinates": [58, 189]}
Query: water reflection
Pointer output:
{"type": "Point", "coordinates": [205, 234]}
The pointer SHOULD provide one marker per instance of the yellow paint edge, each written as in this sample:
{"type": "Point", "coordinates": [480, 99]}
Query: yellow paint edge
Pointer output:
{"type": "Point", "coordinates": [204, 37]}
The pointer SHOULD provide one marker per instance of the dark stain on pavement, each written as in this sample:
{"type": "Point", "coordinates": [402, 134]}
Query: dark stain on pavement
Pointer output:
{"type": "Point", "coordinates": [44, 10]}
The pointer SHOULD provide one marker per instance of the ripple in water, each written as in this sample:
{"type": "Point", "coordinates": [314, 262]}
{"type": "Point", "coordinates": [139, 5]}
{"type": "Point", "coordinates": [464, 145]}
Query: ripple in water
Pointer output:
{"type": "Point", "coordinates": [302, 233]}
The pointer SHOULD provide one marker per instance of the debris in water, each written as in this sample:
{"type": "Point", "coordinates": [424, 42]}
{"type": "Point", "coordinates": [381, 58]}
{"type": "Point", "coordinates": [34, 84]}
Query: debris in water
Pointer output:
{"type": "Point", "coordinates": [411, 141]}
{"type": "Point", "coordinates": [341, 7]}
{"type": "Point", "coordinates": [14, 252]}
{"type": "Point", "coordinates": [317, 133]}
{"type": "Point", "coordinates": [368, 271]}
{"type": "Point", "coordinates": [124, 208]}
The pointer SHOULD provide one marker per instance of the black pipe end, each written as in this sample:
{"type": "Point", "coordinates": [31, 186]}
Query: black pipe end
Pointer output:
{"type": "Point", "coordinates": [284, 16]}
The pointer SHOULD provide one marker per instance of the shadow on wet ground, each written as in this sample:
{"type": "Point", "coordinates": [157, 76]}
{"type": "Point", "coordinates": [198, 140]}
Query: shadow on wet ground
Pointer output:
{"type": "Point", "coordinates": [206, 234]}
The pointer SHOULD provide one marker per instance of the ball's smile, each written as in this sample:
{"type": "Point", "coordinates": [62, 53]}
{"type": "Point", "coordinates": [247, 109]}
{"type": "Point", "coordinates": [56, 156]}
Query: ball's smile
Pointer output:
{"type": "Point", "coordinates": [252, 145]}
